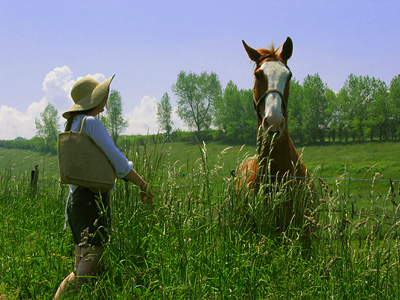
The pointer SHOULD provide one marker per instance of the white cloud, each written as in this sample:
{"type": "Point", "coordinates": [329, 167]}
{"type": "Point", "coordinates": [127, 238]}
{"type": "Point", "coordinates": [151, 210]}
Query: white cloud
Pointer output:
{"type": "Point", "coordinates": [58, 79]}
{"type": "Point", "coordinates": [57, 85]}
{"type": "Point", "coordinates": [14, 123]}
{"type": "Point", "coordinates": [177, 123]}
{"type": "Point", "coordinates": [9, 118]}
{"type": "Point", "coordinates": [143, 118]}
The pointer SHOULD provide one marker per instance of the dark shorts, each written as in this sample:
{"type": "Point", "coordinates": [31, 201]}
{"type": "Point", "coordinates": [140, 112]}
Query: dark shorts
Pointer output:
{"type": "Point", "coordinates": [89, 217]}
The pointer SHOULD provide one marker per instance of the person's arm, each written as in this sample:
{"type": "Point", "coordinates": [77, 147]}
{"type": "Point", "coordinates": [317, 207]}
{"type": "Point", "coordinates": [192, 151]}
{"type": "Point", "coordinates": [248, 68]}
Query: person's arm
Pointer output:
{"type": "Point", "coordinates": [145, 192]}
{"type": "Point", "coordinates": [95, 129]}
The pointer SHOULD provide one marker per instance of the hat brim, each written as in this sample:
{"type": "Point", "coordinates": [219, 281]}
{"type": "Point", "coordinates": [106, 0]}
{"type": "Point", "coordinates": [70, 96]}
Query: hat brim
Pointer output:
{"type": "Point", "coordinates": [92, 100]}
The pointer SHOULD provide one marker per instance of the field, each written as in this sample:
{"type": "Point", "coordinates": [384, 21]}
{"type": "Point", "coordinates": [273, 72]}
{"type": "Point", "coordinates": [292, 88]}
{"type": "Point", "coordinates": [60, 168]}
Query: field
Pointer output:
{"type": "Point", "coordinates": [198, 241]}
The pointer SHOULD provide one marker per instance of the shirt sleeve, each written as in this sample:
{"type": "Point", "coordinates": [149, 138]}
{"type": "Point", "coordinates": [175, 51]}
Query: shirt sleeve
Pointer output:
{"type": "Point", "coordinates": [95, 129]}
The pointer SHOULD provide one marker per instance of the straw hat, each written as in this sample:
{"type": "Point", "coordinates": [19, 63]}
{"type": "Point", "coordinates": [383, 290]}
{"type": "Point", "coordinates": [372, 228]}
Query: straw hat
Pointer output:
{"type": "Point", "coordinates": [87, 93]}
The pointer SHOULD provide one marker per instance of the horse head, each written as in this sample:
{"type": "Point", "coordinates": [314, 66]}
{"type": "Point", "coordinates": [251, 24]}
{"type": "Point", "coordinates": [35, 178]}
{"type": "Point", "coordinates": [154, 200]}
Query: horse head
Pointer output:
{"type": "Point", "coordinates": [271, 87]}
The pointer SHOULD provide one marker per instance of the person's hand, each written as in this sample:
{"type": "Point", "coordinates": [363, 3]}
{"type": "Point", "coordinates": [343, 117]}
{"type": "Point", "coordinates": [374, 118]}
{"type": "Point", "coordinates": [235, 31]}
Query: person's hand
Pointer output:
{"type": "Point", "coordinates": [147, 195]}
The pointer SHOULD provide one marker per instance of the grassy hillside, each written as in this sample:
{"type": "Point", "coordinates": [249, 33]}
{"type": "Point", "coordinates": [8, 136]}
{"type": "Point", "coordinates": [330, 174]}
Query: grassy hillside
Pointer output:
{"type": "Point", "coordinates": [368, 165]}
{"type": "Point", "coordinates": [327, 161]}
{"type": "Point", "coordinates": [20, 162]}
{"type": "Point", "coordinates": [356, 161]}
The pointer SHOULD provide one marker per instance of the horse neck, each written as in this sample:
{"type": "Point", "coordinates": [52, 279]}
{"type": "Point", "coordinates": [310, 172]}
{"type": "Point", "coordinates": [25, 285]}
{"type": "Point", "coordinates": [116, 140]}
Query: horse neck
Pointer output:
{"type": "Point", "coordinates": [283, 155]}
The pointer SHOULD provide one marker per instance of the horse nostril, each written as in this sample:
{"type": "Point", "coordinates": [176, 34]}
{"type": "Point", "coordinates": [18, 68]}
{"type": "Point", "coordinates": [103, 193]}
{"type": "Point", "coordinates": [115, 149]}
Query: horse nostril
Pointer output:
{"type": "Point", "coordinates": [272, 133]}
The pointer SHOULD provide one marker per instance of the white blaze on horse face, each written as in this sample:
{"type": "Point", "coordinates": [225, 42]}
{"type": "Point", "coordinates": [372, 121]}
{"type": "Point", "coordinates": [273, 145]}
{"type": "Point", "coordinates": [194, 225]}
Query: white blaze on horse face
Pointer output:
{"type": "Point", "coordinates": [277, 74]}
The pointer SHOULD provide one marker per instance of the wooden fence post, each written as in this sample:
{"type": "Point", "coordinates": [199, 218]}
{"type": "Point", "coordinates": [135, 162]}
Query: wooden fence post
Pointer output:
{"type": "Point", "coordinates": [34, 179]}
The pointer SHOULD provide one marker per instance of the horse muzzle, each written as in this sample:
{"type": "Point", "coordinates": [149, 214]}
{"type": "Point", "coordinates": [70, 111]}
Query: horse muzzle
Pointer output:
{"type": "Point", "coordinates": [273, 126]}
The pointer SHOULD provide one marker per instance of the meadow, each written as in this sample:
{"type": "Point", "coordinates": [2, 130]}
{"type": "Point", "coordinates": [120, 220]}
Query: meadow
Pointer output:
{"type": "Point", "coordinates": [198, 239]}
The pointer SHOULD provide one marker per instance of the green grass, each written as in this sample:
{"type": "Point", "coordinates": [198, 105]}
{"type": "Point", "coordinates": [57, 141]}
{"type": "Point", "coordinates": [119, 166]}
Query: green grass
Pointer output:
{"type": "Point", "coordinates": [23, 161]}
{"type": "Point", "coordinates": [357, 159]}
{"type": "Point", "coordinates": [197, 241]}
{"type": "Point", "coordinates": [354, 160]}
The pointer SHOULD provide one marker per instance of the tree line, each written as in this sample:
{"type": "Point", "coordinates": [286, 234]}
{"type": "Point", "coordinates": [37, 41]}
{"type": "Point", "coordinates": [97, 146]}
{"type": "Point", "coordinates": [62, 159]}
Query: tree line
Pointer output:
{"type": "Point", "coordinates": [204, 105]}
{"type": "Point", "coordinates": [365, 108]}
{"type": "Point", "coordinates": [47, 129]}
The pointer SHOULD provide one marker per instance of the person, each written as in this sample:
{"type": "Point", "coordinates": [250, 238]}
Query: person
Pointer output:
{"type": "Point", "coordinates": [88, 214]}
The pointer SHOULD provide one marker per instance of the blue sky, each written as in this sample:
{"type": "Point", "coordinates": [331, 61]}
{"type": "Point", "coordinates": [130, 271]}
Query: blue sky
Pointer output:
{"type": "Point", "coordinates": [47, 45]}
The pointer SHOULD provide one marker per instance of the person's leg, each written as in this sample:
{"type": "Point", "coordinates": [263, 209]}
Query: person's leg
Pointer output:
{"type": "Point", "coordinates": [77, 256]}
{"type": "Point", "coordinates": [83, 214]}
{"type": "Point", "coordinates": [86, 262]}
{"type": "Point", "coordinates": [89, 261]}
{"type": "Point", "coordinates": [71, 277]}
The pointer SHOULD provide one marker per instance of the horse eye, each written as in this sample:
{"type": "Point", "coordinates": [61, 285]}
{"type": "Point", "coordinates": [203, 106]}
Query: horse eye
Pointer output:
{"type": "Point", "coordinates": [259, 74]}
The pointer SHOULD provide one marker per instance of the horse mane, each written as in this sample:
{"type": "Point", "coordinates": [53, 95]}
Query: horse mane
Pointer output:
{"type": "Point", "coordinates": [270, 53]}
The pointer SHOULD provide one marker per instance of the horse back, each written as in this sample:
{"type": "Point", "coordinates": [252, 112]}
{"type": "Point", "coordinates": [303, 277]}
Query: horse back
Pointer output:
{"type": "Point", "coordinates": [247, 174]}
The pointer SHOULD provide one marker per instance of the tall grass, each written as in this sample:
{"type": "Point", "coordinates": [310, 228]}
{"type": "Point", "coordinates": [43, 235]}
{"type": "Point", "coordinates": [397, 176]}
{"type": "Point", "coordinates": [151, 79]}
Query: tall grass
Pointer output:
{"type": "Point", "coordinates": [202, 238]}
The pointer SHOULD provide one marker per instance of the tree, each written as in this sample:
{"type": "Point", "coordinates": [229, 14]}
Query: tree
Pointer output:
{"type": "Point", "coordinates": [363, 101]}
{"type": "Point", "coordinates": [394, 98]}
{"type": "Point", "coordinates": [197, 95]}
{"type": "Point", "coordinates": [332, 114]}
{"type": "Point", "coordinates": [164, 111]}
{"type": "Point", "coordinates": [47, 127]}
{"type": "Point", "coordinates": [113, 119]}
{"type": "Point", "coordinates": [248, 132]}
{"type": "Point", "coordinates": [296, 111]}
{"type": "Point", "coordinates": [234, 114]}
{"type": "Point", "coordinates": [315, 118]}
{"type": "Point", "coordinates": [378, 122]}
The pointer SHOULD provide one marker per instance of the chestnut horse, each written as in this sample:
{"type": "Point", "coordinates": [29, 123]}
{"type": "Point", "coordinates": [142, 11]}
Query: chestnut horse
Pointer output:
{"type": "Point", "coordinates": [277, 160]}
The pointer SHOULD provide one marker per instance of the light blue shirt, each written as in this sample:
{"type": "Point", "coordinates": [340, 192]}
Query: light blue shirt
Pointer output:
{"type": "Point", "coordinates": [95, 129]}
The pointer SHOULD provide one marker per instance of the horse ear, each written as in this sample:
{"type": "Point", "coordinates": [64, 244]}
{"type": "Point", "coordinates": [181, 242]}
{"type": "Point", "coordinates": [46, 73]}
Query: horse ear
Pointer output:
{"type": "Point", "coordinates": [287, 49]}
{"type": "Point", "coordinates": [252, 53]}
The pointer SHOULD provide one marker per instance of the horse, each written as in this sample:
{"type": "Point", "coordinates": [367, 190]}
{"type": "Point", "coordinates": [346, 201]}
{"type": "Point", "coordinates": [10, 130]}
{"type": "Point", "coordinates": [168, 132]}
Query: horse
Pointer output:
{"type": "Point", "coordinates": [277, 160]}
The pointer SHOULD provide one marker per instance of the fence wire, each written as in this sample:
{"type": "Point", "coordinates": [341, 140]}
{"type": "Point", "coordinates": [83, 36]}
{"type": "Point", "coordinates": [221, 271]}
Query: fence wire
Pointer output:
{"type": "Point", "coordinates": [321, 180]}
